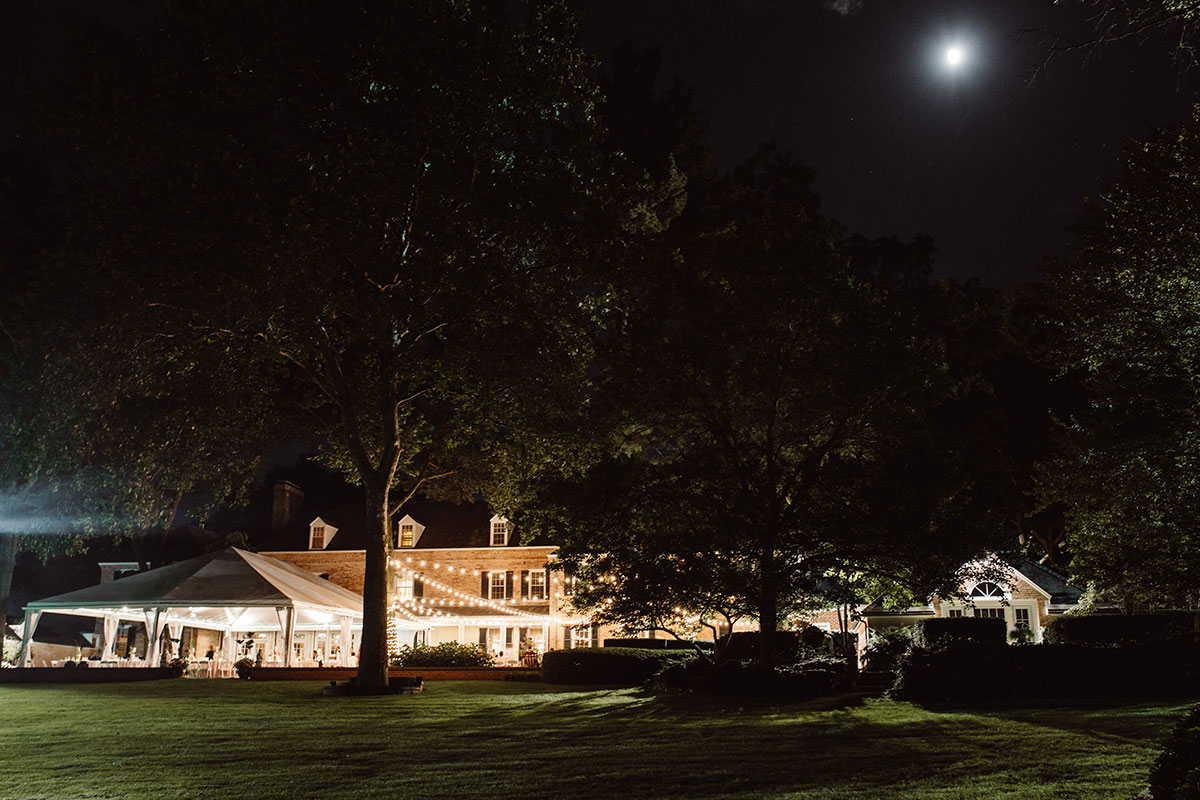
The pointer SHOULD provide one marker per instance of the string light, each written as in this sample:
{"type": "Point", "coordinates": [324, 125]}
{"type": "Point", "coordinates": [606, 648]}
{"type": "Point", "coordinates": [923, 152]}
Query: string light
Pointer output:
{"type": "Point", "coordinates": [468, 599]}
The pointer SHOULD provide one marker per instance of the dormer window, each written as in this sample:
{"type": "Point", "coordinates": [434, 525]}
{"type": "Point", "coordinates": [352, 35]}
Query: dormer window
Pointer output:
{"type": "Point", "coordinates": [320, 534]}
{"type": "Point", "coordinates": [408, 532]}
{"type": "Point", "coordinates": [499, 532]}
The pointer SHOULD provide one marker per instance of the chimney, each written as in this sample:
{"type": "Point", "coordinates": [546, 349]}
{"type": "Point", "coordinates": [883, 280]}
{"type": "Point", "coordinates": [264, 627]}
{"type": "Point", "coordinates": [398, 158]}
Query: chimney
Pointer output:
{"type": "Point", "coordinates": [285, 505]}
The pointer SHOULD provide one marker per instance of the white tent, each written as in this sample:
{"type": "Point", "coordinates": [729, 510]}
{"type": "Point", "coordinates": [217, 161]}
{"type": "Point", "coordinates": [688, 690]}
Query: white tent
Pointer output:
{"type": "Point", "coordinates": [229, 591]}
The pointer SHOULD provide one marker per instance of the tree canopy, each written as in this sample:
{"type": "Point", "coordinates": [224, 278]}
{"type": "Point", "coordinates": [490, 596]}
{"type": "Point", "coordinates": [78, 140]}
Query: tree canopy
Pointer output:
{"type": "Point", "coordinates": [392, 236]}
{"type": "Point", "coordinates": [1128, 309]}
{"type": "Point", "coordinates": [782, 419]}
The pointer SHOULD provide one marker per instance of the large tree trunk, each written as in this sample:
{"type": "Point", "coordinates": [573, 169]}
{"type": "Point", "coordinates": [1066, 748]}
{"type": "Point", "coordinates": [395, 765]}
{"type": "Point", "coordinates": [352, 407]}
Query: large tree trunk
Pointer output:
{"type": "Point", "coordinates": [8, 561]}
{"type": "Point", "coordinates": [768, 621]}
{"type": "Point", "coordinates": [373, 649]}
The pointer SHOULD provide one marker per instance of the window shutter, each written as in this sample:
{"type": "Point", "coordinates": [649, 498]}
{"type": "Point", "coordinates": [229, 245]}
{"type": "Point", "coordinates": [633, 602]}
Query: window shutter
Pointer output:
{"type": "Point", "coordinates": [508, 580]}
{"type": "Point", "coordinates": [483, 638]}
{"type": "Point", "coordinates": [595, 636]}
{"type": "Point", "coordinates": [483, 584]}
{"type": "Point", "coordinates": [508, 637]}
{"type": "Point", "coordinates": [524, 584]}
{"type": "Point", "coordinates": [566, 637]}
{"type": "Point", "coordinates": [418, 587]}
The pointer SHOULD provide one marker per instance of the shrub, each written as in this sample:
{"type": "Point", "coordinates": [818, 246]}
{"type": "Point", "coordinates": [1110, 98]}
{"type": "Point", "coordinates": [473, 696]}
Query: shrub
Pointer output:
{"type": "Point", "coordinates": [177, 666]}
{"type": "Point", "coordinates": [524, 675]}
{"type": "Point", "coordinates": [446, 654]}
{"type": "Point", "coordinates": [1120, 629]}
{"type": "Point", "coordinates": [660, 644]}
{"type": "Point", "coordinates": [887, 645]}
{"type": "Point", "coordinates": [932, 633]}
{"type": "Point", "coordinates": [960, 670]}
{"type": "Point", "coordinates": [620, 665]}
{"type": "Point", "coordinates": [1176, 772]}
{"type": "Point", "coordinates": [242, 667]}
{"type": "Point", "coordinates": [969, 671]}
{"type": "Point", "coordinates": [815, 678]}
{"type": "Point", "coordinates": [743, 646]}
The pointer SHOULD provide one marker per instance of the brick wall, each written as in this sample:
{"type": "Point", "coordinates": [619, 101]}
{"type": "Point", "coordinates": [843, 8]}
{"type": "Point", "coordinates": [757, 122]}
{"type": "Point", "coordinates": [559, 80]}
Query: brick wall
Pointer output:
{"type": "Point", "coordinates": [344, 567]}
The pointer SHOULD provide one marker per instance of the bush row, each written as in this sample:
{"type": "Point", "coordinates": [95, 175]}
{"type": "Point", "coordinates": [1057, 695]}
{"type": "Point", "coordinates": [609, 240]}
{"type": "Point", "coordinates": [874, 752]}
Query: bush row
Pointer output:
{"type": "Point", "coordinates": [1120, 629]}
{"type": "Point", "coordinates": [446, 654]}
{"type": "Point", "coordinates": [1176, 773]}
{"type": "Point", "coordinates": [806, 679]}
{"type": "Point", "coordinates": [974, 671]}
{"type": "Point", "coordinates": [627, 666]}
{"type": "Point", "coordinates": [660, 644]}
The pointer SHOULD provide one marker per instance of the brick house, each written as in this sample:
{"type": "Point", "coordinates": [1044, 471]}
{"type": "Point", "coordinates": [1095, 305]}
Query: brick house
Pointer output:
{"type": "Point", "coordinates": [1033, 595]}
{"type": "Point", "coordinates": [459, 572]}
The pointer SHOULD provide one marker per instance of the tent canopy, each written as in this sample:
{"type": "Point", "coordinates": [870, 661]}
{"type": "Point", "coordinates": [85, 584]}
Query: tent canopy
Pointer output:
{"type": "Point", "coordinates": [231, 589]}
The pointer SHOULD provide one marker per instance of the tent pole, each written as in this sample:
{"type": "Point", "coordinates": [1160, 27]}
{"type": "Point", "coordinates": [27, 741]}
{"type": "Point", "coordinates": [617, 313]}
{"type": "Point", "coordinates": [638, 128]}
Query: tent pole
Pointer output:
{"type": "Point", "coordinates": [288, 634]}
{"type": "Point", "coordinates": [153, 634]}
{"type": "Point", "coordinates": [31, 621]}
{"type": "Point", "coordinates": [111, 623]}
{"type": "Point", "coordinates": [344, 650]}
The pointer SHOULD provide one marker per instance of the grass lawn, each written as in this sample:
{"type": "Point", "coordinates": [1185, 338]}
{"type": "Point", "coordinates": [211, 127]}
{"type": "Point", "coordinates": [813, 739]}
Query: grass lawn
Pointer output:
{"type": "Point", "coordinates": [236, 739]}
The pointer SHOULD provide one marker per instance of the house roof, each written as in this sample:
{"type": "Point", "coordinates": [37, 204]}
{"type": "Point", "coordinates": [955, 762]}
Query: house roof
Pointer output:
{"type": "Point", "coordinates": [210, 584]}
{"type": "Point", "coordinates": [446, 525]}
{"type": "Point", "coordinates": [1044, 578]}
{"type": "Point", "coordinates": [1053, 583]}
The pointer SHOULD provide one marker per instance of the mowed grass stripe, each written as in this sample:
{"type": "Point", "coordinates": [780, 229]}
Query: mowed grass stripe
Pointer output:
{"type": "Point", "coordinates": [230, 739]}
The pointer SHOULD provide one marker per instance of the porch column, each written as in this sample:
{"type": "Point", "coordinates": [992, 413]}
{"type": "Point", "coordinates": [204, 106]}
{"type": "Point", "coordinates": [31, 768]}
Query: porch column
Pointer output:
{"type": "Point", "coordinates": [289, 632]}
{"type": "Point", "coordinates": [344, 647]}
{"type": "Point", "coordinates": [175, 635]}
{"type": "Point", "coordinates": [111, 623]}
{"type": "Point", "coordinates": [31, 620]}
{"type": "Point", "coordinates": [545, 639]}
{"type": "Point", "coordinates": [154, 629]}
{"type": "Point", "coordinates": [462, 633]}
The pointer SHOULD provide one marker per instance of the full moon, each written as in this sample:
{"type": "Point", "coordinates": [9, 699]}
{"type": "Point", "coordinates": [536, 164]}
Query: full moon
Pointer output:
{"type": "Point", "coordinates": [954, 56]}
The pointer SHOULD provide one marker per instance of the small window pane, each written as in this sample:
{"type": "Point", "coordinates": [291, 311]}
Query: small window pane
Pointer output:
{"type": "Point", "coordinates": [406, 535]}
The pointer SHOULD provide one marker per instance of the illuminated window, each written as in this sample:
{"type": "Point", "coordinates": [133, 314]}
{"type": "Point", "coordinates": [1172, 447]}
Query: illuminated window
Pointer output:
{"type": "Point", "coordinates": [581, 636]}
{"type": "Point", "coordinates": [499, 532]}
{"type": "Point", "coordinates": [318, 537]}
{"type": "Point", "coordinates": [496, 585]}
{"type": "Point", "coordinates": [406, 535]}
{"type": "Point", "coordinates": [404, 587]}
{"type": "Point", "coordinates": [537, 585]}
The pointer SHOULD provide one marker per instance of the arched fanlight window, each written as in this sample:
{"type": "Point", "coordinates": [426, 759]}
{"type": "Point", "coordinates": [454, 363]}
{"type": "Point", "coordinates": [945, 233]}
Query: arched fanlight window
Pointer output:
{"type": "Point", "coordinates": [987, 589]}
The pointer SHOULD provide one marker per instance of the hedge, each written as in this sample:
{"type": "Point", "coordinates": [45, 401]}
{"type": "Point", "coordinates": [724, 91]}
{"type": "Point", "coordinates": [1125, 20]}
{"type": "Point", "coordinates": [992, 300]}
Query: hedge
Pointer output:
{"type": "Point", "coordinates": [1176, 773]}
{"type": "Point", "coordinates": [446, 654]}
{"type": "Point", "coordinates": [627, 666]}
{"type": "Point", "coordinates": [1117, 629]}
{"type": "Point", "coordinates": [972, 671]}
{"type": "Point", "coordinates": [946, 631]}
{"type": "Point", "coordinates": [743, 646]}
{"type": "Point", "coordinates": [660, 644]}
{"type": "Point", "coordinates": [814, 678]}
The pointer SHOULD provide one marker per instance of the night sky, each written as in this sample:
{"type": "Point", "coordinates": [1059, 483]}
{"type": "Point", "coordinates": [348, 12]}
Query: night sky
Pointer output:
{"type": "Point", "coordinates": [990, 164]}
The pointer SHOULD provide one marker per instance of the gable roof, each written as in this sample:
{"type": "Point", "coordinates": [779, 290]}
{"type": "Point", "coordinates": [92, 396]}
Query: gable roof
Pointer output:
{"type": "Point", "coordinates": [447, 525]}
{"type": "Point", "coordinates": [1052, 583]}
{"type": "Point", "coordinates": [223, 579]}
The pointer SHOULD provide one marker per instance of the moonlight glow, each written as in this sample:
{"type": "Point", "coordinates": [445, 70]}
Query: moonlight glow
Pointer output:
{"type": "Point", "coordinates": [954, 56]}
